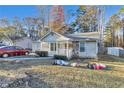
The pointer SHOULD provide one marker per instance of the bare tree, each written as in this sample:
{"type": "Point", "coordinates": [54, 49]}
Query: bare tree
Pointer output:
{"type": "Point", "coordinates": [44, 14]}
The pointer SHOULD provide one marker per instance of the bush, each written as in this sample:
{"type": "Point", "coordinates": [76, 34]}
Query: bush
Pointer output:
{"type": "Point", "coordinates": [61, 57]}
{"type": "Point", "coordinates": [42, 53]}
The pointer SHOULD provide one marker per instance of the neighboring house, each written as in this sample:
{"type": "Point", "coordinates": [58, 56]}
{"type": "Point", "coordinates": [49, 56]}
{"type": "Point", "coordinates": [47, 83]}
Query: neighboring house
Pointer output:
{"type": "Point", "coordinates": [71, 45]}
{"type": "Point", "coordinates": [24, 43]}
{"type": "Point", "coordinates": [6, 41]}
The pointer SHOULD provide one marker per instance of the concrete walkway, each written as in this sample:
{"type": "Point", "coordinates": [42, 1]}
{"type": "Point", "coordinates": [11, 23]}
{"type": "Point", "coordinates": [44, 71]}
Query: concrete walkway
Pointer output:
{"type": "Point", "coordinates": [25, 58]}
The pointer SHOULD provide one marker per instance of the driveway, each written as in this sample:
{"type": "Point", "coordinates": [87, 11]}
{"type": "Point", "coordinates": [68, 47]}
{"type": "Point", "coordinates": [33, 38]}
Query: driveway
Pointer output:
{"type": "Point", "coordinates": [25, 58]}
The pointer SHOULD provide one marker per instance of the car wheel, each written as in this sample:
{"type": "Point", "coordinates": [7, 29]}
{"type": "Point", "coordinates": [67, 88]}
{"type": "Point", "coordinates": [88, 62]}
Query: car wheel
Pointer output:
{"type": "Point", "coordinates": [26, 53]}
{"type": "Point", "coordinates": [5, 55]}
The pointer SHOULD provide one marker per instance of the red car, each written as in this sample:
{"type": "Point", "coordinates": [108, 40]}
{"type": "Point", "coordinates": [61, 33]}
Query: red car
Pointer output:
{"type": "Point", "coordinates": [7, 51]}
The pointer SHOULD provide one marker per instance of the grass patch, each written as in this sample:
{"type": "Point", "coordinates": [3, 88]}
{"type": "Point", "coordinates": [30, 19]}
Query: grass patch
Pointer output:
{"type": "Point", "coordinates": [68, 77]}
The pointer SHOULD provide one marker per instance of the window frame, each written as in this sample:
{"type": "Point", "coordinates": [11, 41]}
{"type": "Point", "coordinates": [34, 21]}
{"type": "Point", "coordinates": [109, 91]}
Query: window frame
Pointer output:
{"type": "Point", "coordinates": [52, 46]}
{"type": "Point", "coordinates": [82, 48]}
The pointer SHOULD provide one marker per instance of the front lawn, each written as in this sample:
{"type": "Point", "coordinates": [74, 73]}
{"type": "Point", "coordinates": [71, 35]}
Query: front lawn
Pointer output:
{"type": "Point", "coordinates": [43, 74]}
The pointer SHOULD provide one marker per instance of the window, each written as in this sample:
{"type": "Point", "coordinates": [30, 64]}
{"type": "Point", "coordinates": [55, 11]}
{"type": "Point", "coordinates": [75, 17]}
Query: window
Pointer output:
{"type": "Point", "coordinates": [53, 47]}
{"type": "Point", "coordinates": [82, 47]}
{"type": "Point", "coordinates": [65, 45]}
{"type": "Point", "coordinates": [58, 45]}
{"type": "Point", "coordinates": [70, 45]}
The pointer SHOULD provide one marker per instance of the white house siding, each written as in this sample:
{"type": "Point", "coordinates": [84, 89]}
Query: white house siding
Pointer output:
{"type": "Point", "coordinates": [90, 50]}
{"type": "Point", "coordinates": [36, 46]}
{"type": "Point", "coordinates": [51, 38]}
{"type": "Point", "coordinates": [66, 52]}
{"type": "Point", "coordinates": [70, 52]}
{"type": "Point", "coordinates": [52, 53]}
{"type": "Point", "coordinates": [44, 46]}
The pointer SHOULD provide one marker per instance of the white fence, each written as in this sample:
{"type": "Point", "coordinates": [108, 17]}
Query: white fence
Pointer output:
{"type": "Point", "coordinates": [115, 51]}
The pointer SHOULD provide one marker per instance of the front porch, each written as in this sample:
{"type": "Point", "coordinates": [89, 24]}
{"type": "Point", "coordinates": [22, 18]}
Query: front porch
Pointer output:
{"type": "Point", "coordinates": [58, 48]}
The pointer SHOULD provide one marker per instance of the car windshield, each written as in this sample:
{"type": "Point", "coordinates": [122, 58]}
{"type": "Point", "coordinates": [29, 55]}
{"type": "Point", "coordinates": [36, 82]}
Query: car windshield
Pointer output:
{"type": "Point", "coordinates": [18, 48]}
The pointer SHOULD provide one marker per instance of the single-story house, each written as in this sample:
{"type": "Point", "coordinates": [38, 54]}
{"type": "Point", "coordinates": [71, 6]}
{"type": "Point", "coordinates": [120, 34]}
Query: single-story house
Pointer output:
{"type": "Point", "coordinates": [69, 45]}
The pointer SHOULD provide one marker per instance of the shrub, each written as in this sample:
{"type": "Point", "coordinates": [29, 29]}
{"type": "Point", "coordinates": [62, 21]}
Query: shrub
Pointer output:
{"type": "Point", "coordinates": [62, 57]}
{"type": "Point", "coordinates": [42, 53]}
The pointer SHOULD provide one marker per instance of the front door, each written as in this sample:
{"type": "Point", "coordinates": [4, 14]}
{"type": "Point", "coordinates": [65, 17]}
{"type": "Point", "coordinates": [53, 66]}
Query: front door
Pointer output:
{"type": "Point", "coordinates": [52, 49]}
{"type": "Point", "coordinates": [75, 52]}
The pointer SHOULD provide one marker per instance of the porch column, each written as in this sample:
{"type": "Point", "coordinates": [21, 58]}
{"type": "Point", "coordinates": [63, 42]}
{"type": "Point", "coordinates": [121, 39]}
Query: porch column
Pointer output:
{"type": "Point", "coordinates": [49, 49]}
{"type": "Point", "coordinates": [67, 53]}
{"type": "Point", "coordinates": [57, 49]}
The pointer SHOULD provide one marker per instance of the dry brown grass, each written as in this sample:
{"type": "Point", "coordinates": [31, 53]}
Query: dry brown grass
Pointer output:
{"type": "Point", "coordinates": [61, 76]}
